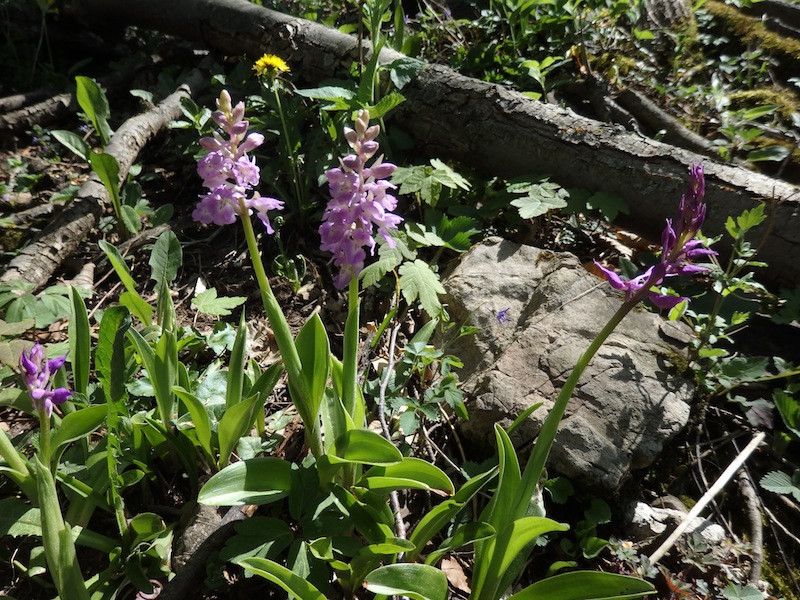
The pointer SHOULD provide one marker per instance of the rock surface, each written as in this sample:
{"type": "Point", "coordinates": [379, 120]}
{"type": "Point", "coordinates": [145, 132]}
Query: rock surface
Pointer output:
{"type": "Point", "coordinates": [629, 402]}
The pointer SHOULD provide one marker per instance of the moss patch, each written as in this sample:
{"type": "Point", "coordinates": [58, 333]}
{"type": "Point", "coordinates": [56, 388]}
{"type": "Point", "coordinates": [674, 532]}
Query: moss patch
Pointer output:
{"type": "Point", "coordinates": [753, 32]}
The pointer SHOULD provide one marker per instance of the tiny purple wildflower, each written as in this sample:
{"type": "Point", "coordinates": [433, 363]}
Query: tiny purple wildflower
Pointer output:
{"type": "Point", "coordinates": [679, 246]}
{"type": "Point", "coordinates": [37, 374]}
{"type": "Point", "coordinates": [359, 202]}
{"type": "Point", "coordinates": [228, 172]}
{"type": "Point", "coordinates": [500, 315]}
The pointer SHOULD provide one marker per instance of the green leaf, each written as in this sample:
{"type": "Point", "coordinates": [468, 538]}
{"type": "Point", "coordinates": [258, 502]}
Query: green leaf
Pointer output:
{"type": "Point", "coordinates": [464, 535]}
{"type": "Point", "coordinates": [598, 512]}
{"type": "Point", "coordinates": [107, 169]}
{"type": "Point", "coordinates": [200, 419]}
{"type": "Point", "coordinates": [237, 421]}
{"type": "Point", "coordinates": [258, 537]}
{"type": "Point", "coordinates": [313, 348]}
{"type": "Point", "coordinates": [736, 592]}
{"type": "Point", "coordinates": [73, 142]}
{"type": "Point", "coordinates": [779, 482]}
{"type": "Point", "coordinates": [294, 584]}
{"type": "Point", "coordinates": [18, 519]}
{"type": "Point", "coordinates": [586, 585]}
{"type": "Point", "coordinates": [759, 111]}
{"type": "Point", "coordinates": [131, 299]}
{"type": "Point", "coordinates": [541, 198]}
{"type": "Point", "coordinates": [768, 154]}
{"type": "Point", "coordinates": [166, 258]}
{"type": "Point", "coordinates": [327, 92]}
{"type": "Point", "coordinates": [609, 205]}
{"type": "Point", "coordinates": [80, 342]}
{"type": "Point", "coordinates": [236, 365]}
{"type": "Point", "coordinates": [208, 303]}
{"type": "Point", "coordinates": [385, 104]}
{"type": "Point", "coordinates": [76, 425]}
{"type": "Point", "coordinates": [365, 447]}
{"type": "Point", "coordinates": [419, 282]}
{"type": "Point", "coordinates": [403, 71]}
{"type": "Point", "coordinates": [410, 473]}
{"type": "Point", "coordinates": [110, 354]}
{"type": "Point", "coordinates": [254, 481]}
{"type": "Point", "coordinates": [421, 582]}
{"type": "Point", "coordinates": [789, 408]}
{"type": "Point", "coordinates": [92, 99]}
{"type": "Point", "coordinates": [130, 218]}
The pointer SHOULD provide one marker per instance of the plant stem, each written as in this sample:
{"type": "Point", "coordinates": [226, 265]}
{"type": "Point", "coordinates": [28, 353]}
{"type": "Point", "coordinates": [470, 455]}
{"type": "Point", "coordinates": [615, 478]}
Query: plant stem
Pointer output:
{"type": "Point", "coordinates": [547, 434]}
{"type": "Point", "coordinates": [289, 153]}
{"type": "Point", "coordinates": [350, 352]}
{"type": "Point", "coordinates": [16, 462]}
{"type": "Point", "coordinates": [283, 337]}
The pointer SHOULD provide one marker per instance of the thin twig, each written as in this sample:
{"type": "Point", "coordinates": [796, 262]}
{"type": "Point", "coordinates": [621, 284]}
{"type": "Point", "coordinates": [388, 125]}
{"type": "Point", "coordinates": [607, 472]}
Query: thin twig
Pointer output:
{"type": "Point", "coordinates": [773, 521]}
{"type": "Point", "coordinates": [707, 497]}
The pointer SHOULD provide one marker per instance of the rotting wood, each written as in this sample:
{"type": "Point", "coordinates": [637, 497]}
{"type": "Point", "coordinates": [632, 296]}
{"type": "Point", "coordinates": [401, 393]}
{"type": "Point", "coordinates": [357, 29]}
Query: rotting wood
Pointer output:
{"type": "Point", "coordinates": [487, 126]}
{"type": "Point", "coordinates": [64, 235]}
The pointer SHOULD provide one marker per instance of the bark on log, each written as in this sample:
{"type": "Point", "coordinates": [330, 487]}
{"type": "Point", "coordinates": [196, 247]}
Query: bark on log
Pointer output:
{"type": "Point", "coordinates": [39, 261]}
{"type": "Point", "coordinates": [485, 125]}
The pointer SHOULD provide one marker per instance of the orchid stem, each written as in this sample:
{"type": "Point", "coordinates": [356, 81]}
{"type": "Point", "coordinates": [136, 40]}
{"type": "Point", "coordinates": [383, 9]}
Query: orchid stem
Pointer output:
{"type": "Point", "coordinates": [283, 337]}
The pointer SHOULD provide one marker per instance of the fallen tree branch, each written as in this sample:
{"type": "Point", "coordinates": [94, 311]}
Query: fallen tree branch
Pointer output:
{"type": "Point", "coordinates": [487, 126]}
{"type": "Point", "coordinates": [37, 262]}
{"type": "Point", "coordinates": [753, 506]}
{"type": "Point", "coordinates": [707, 497]}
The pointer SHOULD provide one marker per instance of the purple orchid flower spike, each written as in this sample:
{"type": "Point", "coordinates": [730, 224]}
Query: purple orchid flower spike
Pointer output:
{"type": "Point", "coordinates": [228, 172]}
{"type": "Point", "coordinates": [37, 374]}
{"type": "Point", "coordinates": [679, 247]}
{"type": "Point", "coordinates": [360, 202]}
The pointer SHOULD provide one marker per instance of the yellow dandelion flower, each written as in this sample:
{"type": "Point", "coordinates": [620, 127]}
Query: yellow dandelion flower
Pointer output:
{"type": "Point", "coordinates": [271, 66]}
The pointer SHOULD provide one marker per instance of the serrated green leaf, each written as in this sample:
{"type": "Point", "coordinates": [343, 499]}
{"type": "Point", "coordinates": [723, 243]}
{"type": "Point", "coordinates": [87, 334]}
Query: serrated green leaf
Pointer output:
{"type": "Point", "coordinates": [540, 199]}
{"type": "Point", "coordinates": [779, 482]}
{"type": "Point", "coordinates": [385, 104]}
{"type": "Point", "coordinates": [207, 302]}
{"type": "Point", "coordinates": [789, 409]}
{"type": "Point", "coordinates": [447, 176]}
{"type": "Point", "coordinates": [419, 282]}
{"type": "Point", "coordinates": [404, 70]}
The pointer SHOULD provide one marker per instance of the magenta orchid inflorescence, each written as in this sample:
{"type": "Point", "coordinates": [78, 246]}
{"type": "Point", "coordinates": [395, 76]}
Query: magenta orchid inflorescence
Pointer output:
{"type": "Point", "coordinates": [37, 374]}
{"type": "Point", "coordinates": [679, 247]}
{"type": "Point", "coordinates": [228, 172]}
{"type": "Point", "coordinates": [359, 202]}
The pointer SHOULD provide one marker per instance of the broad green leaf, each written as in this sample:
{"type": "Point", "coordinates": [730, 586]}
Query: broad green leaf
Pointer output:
{"type": "Point", "coordinates": [110, 354]}
{"type": "Point", "coordinates": [257, 537]}
{"type": "Point", "coordinates": [208, 303]}
{"type": "Point", "coordinates": [80, 342]}
{"type": "Point", "coordinates": [385, 104]}
{"type": "Point", "coordinates": [759, 111]}
{"type": "Point", "coordinates": [409, 473]}
{"type": "Point", "coordinates": [18, 519]}
{"type": "Point", "coordinates": [130, 218]}
{"type": "Point", "coordinates": [73, 142]}
{"type": "Point", "coordinates": [92, 99]}
{"type": "Point", "coordinates": [166, 258]}
{"type": "Point", "coordinates": [419, 282]}
{"type": "Point", "coordinates": [294, 584]}
{"type": "Point", "coordinates": [107, 169]}
{"type": "Point", "coordinates": [314, 351]}
{"type": "Point", "coordinates": [779, 482]}
{"type": "Point", "coordinates": [404, 70]}
{"type": "Point", "coordinates": [586, 585]}
{"type": "Point", "coordinates": [362, 446]}
{"type": "Point", "coordinates": [789, 408]}
{"type": "Point", "coordinates": [420, 582]}
{"type": "Point", "coordinates": [200, 419]}
{"type": "Point", "coordinates": [737, 592]}
{"type": "Point", "coordinates": [76, 425]}
{"type": "Point", "coordinates": [236, 422]}
{"type": "Point", "coordinates": [327, 92]}
{"type": "Point", "coordinates": [254, 481]}
{"type": "Point", "coordinates": [609, 205]}
{"type": "Point", "coordinates": [769, 154]}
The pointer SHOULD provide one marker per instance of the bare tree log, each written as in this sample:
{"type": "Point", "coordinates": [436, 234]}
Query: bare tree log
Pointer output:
{"type": "Point", "coordinates": [37, 262]}
{"type": "Point", "coordinates": [41, 113]}
{"type": "Point", "coordinates": [485, 125]}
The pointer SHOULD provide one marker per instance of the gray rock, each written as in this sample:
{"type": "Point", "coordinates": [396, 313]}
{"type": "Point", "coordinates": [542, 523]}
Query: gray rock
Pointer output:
{"type": "Point", "coordinates": [629, 401]}
{"type": "Point", "coordinates": [647, 522]}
